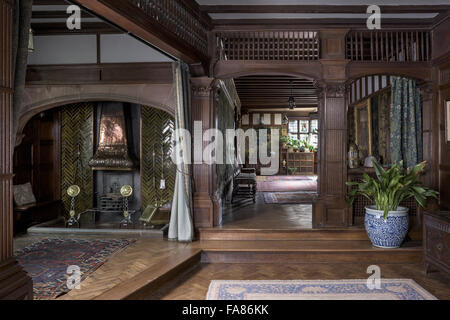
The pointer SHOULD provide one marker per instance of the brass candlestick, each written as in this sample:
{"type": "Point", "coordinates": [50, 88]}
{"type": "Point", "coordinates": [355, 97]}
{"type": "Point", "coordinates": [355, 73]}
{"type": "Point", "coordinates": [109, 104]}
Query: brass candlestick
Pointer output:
{"type": "Point", "coordinates": [73, 191]}
{"type": "Point", "coordinates": [126, 191]}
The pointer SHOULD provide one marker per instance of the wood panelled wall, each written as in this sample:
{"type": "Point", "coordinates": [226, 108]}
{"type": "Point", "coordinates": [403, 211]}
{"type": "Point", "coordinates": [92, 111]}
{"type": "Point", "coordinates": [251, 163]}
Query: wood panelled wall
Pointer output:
{"type": "Point", "coordinates": [6, 95]}
{"type": "Point", "coordinates": [444, 158]}
{"type": "Point", "coordinates": [36, 159]}
{"type": "Point", "coordinates": [206, 207]}
{"type": "Point", "coordinates": [14, 282]}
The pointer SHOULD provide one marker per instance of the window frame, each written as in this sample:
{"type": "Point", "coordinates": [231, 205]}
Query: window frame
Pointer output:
{"type": "Point", "coordinates": [300, 133]}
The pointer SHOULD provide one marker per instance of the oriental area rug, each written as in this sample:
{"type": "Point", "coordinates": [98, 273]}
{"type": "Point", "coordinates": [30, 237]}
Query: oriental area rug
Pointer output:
{"type": "Point", "coordinates": [287, 185]}
{"type": "Point", "coordinates": [289, 197]}
{"type": "Point", "coordinates": [390, 289]}
{"type": "Point", "coordinates": [47, 261]}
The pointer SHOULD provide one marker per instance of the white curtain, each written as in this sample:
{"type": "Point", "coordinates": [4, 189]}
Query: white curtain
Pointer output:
{"type": "Point", "coordinates": [181, 226]}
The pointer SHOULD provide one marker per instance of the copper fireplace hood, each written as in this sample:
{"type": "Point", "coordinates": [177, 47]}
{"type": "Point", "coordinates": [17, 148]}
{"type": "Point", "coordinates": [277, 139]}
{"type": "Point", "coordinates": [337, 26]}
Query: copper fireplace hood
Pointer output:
{"type": "Point", "coordinates": [112, 152]}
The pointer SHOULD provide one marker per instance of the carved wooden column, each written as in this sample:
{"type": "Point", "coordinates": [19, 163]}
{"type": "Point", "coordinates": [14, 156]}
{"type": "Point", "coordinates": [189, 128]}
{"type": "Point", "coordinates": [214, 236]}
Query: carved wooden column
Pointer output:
{"type": "Point", "coordinates": [14, 282]}
{"type": "Point", "coordinates": [331, 208]}
{"type": "Point", "coordinates": [205, 206]}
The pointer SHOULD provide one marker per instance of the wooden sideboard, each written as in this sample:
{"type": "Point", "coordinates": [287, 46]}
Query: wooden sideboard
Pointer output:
{"type": "Point", "coordinates": [297, 163]}
{"type": "Point", "coordinates": [436, 241]}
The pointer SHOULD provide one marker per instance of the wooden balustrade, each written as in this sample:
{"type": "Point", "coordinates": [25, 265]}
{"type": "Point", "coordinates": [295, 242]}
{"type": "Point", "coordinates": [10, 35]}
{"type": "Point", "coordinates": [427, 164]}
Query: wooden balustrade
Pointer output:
{"type": "Point", "coordinates": [268, 45]}
{"type": "Point", "coordinates": [178, 18]}
{"type": "Point", "coordinates": [389, 46]}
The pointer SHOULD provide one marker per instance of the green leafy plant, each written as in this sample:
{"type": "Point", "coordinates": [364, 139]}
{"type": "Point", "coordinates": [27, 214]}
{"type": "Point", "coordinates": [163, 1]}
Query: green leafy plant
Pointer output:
{"type": "Point", "coordinates": [308, 146]}
{"type": "Point", "coordinates": [284, 139]}
{"type": "Point", "coordinates": [392, 186]}
{"type": "Point", "coordinates": [292, 170]}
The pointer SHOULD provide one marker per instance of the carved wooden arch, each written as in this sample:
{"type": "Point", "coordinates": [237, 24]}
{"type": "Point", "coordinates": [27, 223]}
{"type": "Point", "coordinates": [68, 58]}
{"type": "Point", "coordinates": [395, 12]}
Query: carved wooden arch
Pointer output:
{"type": "Point", "coordinates": [425, 86]}
{"type": "Point", "coordinates": [41, 98]}
{"type": "Point", "coordinates": [417, 71]}
{"type": "Point", "coordinates": [234, 69]}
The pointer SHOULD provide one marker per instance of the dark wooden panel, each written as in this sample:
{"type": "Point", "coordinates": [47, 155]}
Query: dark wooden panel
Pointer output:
{"type": "Point", "coordinates": [100, 73]}
{"type": "Point", "coordinates": [300, 8]}
{"type": "Point", "coordinates": [36, 159]}
{"type": "Point", "coordinates": [203, 174]}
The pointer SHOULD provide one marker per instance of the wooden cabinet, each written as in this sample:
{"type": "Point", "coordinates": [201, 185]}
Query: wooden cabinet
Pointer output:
{"type": "Point", "coordinates": [297, 163]}
{"type": "Point", "coordinates": [437, 240]}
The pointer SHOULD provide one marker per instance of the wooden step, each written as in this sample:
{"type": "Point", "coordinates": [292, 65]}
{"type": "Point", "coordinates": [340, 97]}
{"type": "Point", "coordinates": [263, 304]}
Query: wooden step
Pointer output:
{"type": "Point", "coordinates": [150, 280]}
{"type": "Point", "coordinates": [228, 234]}
{"type": "Point", "coordinates": [357, 251]}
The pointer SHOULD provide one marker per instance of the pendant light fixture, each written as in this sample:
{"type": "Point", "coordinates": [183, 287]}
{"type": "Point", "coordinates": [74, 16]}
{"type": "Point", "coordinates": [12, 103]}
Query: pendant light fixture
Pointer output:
{"type": "Point", "coordinates": [292, 104]}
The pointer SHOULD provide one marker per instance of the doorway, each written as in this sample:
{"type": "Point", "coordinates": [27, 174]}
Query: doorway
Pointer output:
{"type": "Point", "coordinates": [285, 107]}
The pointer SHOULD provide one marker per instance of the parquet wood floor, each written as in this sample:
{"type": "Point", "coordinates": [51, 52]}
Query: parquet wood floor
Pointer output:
{"type": "Point", "coordinates": [131, 266]}
{"type": "Point", "coordinates": [125, 265]}
{"type": "Point", "coordinates": [246, 215]}
{"type": "Point", "coordinates": [193, 285]}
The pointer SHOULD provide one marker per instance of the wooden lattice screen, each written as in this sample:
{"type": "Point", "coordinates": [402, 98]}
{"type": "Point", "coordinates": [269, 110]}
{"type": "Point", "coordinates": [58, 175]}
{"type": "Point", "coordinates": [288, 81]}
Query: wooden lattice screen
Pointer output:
{"type": "Point", "coordinates": [268, 45]}
{"type": "Point", "coordinates": [389, 46]}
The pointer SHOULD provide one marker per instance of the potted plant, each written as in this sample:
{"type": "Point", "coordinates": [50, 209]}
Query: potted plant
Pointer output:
{"type": "Point", "coordinates": [301, 146]}
{"type": "Point", "coordinates": [290, 145]}
{"type": "Point", "coordinates": [387, 223]}
{"type": "Point", "coordinates": [284, 140]}
{"type": "Point", "coordinates": [292, 170]}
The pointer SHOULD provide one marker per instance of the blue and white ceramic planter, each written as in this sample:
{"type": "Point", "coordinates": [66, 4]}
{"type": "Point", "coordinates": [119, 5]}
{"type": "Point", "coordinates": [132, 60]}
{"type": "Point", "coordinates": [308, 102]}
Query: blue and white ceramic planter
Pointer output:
{"type": "Point", "coordinates": [389, 233]}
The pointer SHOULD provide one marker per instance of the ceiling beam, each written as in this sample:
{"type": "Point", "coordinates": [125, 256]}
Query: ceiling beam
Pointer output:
{"type": "Point", "coordinates": [58, 28]}
{"type": "Point", "coordinates": [321, 8]}
{"type": "Point", "coordinates": [129, 17]}
{"type": "Point", "coordinates": [56, 15]}
{"type": "Point", "coordinates": [240, 24]}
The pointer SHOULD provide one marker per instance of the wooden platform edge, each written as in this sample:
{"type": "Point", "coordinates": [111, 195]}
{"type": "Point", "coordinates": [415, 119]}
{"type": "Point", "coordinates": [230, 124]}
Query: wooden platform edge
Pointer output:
{"type": "Point", "coordinates": [221, 234]}
{"type": "Point", "coordinates": [150, 280]}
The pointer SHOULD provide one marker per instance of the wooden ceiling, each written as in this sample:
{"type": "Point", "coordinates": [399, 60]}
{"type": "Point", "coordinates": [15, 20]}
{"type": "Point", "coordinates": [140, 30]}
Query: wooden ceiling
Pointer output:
{"type": "Point", "coordinates": [273, 92]}
{"type": "Point", "coordinates": [50, 16]}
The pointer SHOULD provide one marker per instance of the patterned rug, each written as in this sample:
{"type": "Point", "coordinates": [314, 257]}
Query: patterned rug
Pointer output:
{"type": "Point", "coordinates": [287, 185]}
{"type": "Point", "coordinates": [391, 289]}
{"type": "Point", "coordinates": [46, 261]}
{"type": "Point", "coordinates": [289, 197]}
{"type": "Point", "coordinates": [277, 178]}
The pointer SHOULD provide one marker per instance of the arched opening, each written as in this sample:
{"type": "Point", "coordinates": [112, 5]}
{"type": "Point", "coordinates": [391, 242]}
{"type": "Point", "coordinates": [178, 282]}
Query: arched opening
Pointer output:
{"type": "Point", "coordinates": [271, 106]}
{"type": "Point", "coordinates": [57, 150]}
{"type": "Point", "coordinates": [388, 120]}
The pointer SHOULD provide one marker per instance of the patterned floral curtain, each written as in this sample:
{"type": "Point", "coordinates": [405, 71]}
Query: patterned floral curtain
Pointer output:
{"type": "Point", "coordinates": [406, 122]}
